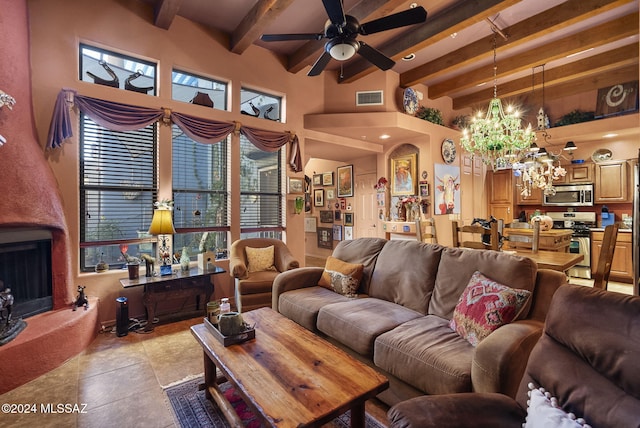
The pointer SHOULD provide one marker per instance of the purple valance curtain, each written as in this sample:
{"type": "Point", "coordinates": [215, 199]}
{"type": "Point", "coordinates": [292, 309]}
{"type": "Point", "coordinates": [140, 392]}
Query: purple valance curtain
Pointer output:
{"type": "Point", "coordinates": [126, 117]}
{"type": "Point", "coordinates": [202, 130]}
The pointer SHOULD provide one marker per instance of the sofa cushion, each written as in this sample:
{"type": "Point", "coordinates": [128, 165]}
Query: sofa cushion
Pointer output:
{"type": "Point", "coordinates": [302, 305]}
{"type": "Point", "coordinates": [427, 354]}
{"type": "Point", "coordinates": [405, 274]}
{"type": "Point", "coordinates": [361, 250]}
{"type": "Point", "coordinates": [357, 322]}
{"type": "Point", "coordinates": [484, 306]}
{"type": "Point", "coordinates": [258, 282]}
{"type": "Point", "coordinates": [260, 259]}
{"type": "Point", "coordinates": [458, 264]}
{"type": "Point", "coordinates": [340, 276]}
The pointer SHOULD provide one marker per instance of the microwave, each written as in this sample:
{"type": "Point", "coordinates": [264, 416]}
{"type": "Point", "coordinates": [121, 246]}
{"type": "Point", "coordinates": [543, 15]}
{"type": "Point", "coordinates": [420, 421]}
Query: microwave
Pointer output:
{"type": "Point", "coordinates": [571, 195]}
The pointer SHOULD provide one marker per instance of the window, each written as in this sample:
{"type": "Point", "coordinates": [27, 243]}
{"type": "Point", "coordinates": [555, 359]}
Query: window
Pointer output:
{"type": "Point", "coordinates": [261, 192]}
{"type": "Point", "coordinates": [260, 104]}
{"type": "Point", "coordinates": [200, 183]}
{"type": "Point", "coordinates": [117, 70]}
{"type": "Point", "coordinates": [118, 185]}
{"type": "Point", "coordinates": [191, 88]}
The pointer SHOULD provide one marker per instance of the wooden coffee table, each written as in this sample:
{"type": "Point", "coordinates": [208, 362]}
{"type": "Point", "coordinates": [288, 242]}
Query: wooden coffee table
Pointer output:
{"type": "Point", "coordinates": [288, 375]}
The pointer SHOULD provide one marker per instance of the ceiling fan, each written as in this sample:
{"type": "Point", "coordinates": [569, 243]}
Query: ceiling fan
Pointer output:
{"type": "Point", "coordinates": [342, 30]}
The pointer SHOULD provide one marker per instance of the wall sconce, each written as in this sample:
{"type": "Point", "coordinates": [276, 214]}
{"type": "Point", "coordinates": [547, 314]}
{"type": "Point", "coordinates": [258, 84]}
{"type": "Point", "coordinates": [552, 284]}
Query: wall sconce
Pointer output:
{"type": "Point", "coordinates": [299, 205]}
{"type": "Point", "coordinates": [162, 226]}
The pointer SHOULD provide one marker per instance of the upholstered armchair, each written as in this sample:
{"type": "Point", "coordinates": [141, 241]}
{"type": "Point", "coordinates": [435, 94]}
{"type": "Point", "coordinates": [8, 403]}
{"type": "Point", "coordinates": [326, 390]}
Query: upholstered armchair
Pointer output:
{"type": "Point", "coordinates": [254, 263]}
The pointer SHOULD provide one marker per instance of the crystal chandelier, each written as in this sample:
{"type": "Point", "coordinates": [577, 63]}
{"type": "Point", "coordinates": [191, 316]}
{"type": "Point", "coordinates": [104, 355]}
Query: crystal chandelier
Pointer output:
{"type": "Point", "coordinates": [538, 174]}
{"type": "Point", "coordinates": [498, 138]}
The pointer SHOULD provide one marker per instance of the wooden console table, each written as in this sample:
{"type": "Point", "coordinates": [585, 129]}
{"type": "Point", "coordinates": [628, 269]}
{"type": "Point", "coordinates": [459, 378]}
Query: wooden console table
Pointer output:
{"type": "Point", "coordinates": [178, 285]}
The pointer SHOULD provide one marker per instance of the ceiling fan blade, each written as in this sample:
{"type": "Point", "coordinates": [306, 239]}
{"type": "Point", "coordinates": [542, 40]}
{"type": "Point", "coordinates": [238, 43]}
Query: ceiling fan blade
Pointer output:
{"type": "Point", "coordinates": [400, 19]}
{"type": "Point", "coordinates": [335, 12]}
{"type": "Point", "coordinates": [375, 57]}
{"type": "Point", "coordinates": [286, 37]}
{"type": "Point", "coordinates": [320, 64]}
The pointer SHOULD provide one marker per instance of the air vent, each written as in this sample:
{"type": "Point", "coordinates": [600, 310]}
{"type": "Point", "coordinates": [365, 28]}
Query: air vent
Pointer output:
{"type": "Point", "coordinates": [369, 98]}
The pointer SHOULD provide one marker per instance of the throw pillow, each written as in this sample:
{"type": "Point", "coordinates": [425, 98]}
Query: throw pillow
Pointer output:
{"type": "Point", "coordinates": [260, 259]}
{"type": "Point", "coordinates": [543, 411]}
{"type": "Point", "coordinates": [341, 277]}
{"type": "Point", "coordinates": [484, 306]}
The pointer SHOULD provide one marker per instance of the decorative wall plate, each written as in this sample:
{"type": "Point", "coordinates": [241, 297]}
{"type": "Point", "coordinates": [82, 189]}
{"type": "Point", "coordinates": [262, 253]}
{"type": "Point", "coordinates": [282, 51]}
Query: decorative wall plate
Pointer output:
{"type": "Point", "coordinates": [410, 101]}
{"type": "Point", "coordinates": [448, 151]}
{"type": "Point", "coordinates": [601, 155]}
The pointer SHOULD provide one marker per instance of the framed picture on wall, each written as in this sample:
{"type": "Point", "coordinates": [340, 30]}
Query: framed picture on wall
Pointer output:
{"type": "Point", "coordinates": [326, 216]}
{"type": "Point", "coordinates": [327, 179]}
{"type": "Point", "coordinates": [345, 181]}
{"type": "Point", "coordinates": [348, 233]}
{"type": "Point", "coordinates": [403, 175]}
{"type": "Point", "coordinates": [296, 185]}
{"type": "Point", "coordinates": [348, 219]}
{"type": "Point", "coordinates": [317, 179]}
{"type": "Point", "coordinates": [318, 197]}
{"type": "Point", "coordinates": [310, 224]}
{"type": "Point", "coordinates": [337, 232]}
{"type": "Point", "coordinates": [325, 237]}
{"type": "Point", "coordinates": [331, 194]}
{"type": "Point", "coordinates": [423, 189]}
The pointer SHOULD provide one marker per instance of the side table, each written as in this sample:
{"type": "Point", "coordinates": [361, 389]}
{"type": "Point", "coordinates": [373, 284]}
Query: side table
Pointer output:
{"type": "Point", "coordinates": [178, 285]}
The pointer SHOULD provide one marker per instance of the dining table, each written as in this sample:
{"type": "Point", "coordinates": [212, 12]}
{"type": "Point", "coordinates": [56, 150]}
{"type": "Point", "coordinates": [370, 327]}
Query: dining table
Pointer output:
{"type": "Point", "coordinates": [553, 260]}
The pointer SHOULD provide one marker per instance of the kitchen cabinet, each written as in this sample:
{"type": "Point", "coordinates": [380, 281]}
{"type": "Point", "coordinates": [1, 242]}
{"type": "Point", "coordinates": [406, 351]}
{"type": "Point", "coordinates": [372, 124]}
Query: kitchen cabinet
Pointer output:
{"type": "Point", "coordinates": [534, 199]}
{"type": "Point", "coordinates": [501, 195]}
{"type": "Point", "coordinates": [622, 264]}
{"type": "Point", "coordinates": [611, 182]}
{"type": "Point", "coordinates": [577, 173]}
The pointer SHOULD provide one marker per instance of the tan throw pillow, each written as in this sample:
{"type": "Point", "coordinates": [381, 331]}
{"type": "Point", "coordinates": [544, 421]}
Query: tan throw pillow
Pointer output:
{"type": "Point", "coordinates": [260, 259]}
{"type": "Point", "coordinates": [341, 277]}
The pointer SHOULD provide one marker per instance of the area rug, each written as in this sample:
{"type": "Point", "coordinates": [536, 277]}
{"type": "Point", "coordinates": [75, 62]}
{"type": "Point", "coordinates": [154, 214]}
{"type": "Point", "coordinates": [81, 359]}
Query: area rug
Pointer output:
{"type": "Point", "coordinates": [191, 409]}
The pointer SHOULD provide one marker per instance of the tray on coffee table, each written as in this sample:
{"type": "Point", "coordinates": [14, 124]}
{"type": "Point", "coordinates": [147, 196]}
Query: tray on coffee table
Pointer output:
{"type": "Point", "coordinates": [248, 334]}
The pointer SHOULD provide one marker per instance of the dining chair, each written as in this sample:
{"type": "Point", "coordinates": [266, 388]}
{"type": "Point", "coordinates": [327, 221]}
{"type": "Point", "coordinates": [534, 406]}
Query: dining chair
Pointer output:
{"type": "Point", "coordinates": [426, 231]}
{"type": "Point", "coordinates": [478, 232]}
{"type": "Point", "coordinates": [603, 268]}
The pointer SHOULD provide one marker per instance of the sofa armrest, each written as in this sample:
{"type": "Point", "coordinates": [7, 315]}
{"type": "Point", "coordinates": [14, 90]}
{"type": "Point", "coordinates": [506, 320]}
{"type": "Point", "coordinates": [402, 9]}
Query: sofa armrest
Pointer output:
{"type": "Point", "coordinates": [294, 279]}
{"type": "Point", "coordinates": [500, 359]}
{"type": "Point", "coordinates": [467, 409]}
{"type": "Point", "coordinates": [547, 282]}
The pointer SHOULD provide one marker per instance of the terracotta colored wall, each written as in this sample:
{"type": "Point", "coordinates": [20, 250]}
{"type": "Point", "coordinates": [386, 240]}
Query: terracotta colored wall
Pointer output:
{"type": "Point", "coordinates": [112, 25]}
{"type": "Point", "coordinates": [30, 195]}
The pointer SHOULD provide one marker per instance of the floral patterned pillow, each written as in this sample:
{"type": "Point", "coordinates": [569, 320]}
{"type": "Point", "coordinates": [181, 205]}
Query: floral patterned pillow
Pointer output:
{"type": "Point", "coordinates": [260, 259]}
{"type": "Point", "coordinates": [484, 306]}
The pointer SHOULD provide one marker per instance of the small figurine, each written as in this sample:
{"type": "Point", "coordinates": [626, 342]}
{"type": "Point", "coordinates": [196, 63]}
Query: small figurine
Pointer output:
{"type": "Point", "coordinates": [81, 300]}
{"type": "Point", "coordinates": [6, 301]}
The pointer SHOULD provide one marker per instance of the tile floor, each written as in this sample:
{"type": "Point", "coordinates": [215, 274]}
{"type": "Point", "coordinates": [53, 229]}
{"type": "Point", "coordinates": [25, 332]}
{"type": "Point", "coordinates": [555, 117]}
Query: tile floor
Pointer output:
{"type": "Point", "coordinates": [121, 380]}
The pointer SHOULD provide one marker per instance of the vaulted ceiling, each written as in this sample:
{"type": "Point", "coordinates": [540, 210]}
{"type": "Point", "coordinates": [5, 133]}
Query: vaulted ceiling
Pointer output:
{"type": "Point", "coordinates": [580, 44]}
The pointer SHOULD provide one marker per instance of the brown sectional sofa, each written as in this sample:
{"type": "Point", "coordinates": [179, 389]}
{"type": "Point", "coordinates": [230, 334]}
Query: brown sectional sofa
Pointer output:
{"type": "Point", "coordinates": [399, 323]}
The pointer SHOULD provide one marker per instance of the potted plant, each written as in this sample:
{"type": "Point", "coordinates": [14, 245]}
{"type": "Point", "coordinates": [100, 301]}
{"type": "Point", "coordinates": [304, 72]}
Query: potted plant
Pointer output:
{"type": "Point", "coordinates": [461, 122]}
{"type": "Point", "coordinates": [576, 116]}
{"type": "Point", "coordinates": [430, 114]}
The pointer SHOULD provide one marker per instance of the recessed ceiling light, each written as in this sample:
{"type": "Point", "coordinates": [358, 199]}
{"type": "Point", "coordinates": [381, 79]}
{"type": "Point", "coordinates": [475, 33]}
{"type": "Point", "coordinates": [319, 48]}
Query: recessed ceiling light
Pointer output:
{"type": "Point", "coordinates": [409, 57]}
{"type": "Point", "coordinates": [609, 135]}
{"type": "Point", "coordinates": [413, 5]}
{"type": "Point", "coordinates": [385, 136]}
{"type": "Point", "coordinates": [454, 35]}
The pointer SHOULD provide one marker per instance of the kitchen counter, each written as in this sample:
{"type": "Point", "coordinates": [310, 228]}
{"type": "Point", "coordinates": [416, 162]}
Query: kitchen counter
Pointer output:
{"type": "Point", "coordinates": [601, 229]}
{"type": "Point", "coordinates": [550, 240]}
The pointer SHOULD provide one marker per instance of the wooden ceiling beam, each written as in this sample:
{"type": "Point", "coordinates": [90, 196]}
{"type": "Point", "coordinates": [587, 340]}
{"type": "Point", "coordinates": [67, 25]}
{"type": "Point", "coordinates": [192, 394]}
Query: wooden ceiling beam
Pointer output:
{"type": "Point", "coordinates": [252, 26]}
{"type": "Point", "coordinates": [536, 26]}
{"type": "Point", "coordinates": [596, 36]}
{"type": "Point", "coordinates": [164, 13]}
{"type": "Point", "coordinates": [597, 64]}
{"type": "Point", "coordinates": [436, 28]}
{"type": "Point", "coordinates": [366, 10]}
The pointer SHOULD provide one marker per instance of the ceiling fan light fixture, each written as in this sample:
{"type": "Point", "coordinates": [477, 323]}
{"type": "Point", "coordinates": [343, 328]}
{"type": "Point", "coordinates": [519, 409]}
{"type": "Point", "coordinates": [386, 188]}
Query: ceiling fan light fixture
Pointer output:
{"type": "Point", "coordinates": [342, 50]}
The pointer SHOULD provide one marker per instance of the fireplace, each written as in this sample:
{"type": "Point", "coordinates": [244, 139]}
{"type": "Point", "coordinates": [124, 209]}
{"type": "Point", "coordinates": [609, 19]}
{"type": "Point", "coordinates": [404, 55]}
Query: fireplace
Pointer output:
{"type": "Point", "coordinates": [25, 268]}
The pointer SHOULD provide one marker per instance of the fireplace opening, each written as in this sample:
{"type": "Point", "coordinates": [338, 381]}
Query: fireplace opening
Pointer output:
{"type": "Point", "coordinates": [25, 268]}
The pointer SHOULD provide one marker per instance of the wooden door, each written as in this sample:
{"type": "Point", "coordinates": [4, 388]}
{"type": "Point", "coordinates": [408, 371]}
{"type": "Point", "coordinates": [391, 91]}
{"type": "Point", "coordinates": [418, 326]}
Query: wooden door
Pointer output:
{"type": "Point", "coordinates": [366, 207]}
